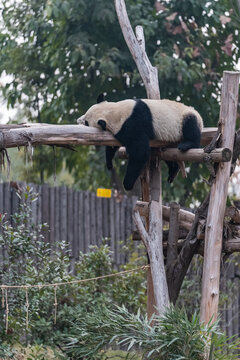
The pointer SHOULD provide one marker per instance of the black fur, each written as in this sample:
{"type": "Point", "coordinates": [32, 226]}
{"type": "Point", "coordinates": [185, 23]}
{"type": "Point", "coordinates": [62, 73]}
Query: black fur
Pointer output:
{"type": "Point", "coordinates": [191, 139]}
{"type": "Point", "coordinates": [191, 133]}
{"type": "Point", "coordinates": [100, 98]}
{"type": "Point", "coordinates": [110, 152]}
{"type": "Point", "coordinates": [103, 124]}
{"type": "Point", "coordinates": [173, 169]}
{"type": "Point", "coordinates": [135, 134]}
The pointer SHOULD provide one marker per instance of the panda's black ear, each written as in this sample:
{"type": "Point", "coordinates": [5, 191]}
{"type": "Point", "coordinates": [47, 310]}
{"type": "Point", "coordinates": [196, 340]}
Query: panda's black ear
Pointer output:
{"type": "Point", "coordinates": [103, 124]}
{"type": "Point", "coordinates": [100, 98]}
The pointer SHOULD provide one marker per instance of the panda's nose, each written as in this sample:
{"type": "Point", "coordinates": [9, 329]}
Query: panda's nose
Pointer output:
{"type": "Point", "coordinates": [81, 121]}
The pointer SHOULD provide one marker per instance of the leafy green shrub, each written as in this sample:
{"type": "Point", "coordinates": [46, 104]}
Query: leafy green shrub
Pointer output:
{"type": "Point", "coordinates": [6, 352]}
{"type": "Point", "coordinates": [167, 337]}
{"type": "Point", "coordinates": [30, 260]}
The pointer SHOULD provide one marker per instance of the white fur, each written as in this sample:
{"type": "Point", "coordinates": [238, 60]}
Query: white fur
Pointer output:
{"type": "Point", "coordinates": [114, 113]}
{"type": "Point", "coordinates": [167, 116]}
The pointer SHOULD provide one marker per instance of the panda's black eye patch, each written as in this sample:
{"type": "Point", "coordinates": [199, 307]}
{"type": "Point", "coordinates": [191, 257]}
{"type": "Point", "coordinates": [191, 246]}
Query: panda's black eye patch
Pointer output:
{"type": "Point", "coordinates": [103, 124]}
{"type": "Point", "coordinates": [86, 123]}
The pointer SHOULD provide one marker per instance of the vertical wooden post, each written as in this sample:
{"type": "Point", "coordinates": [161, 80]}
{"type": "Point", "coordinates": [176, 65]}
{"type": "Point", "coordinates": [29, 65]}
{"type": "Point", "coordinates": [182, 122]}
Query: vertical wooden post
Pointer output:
{"type": "Point", "coordinates": [151, 303]}
{"type": "Point", "coordinates": [155, 176]}
{"type": "Point", "coordinates": [218, 196]}
{"type": "Point", "coordinates": [157, 284]}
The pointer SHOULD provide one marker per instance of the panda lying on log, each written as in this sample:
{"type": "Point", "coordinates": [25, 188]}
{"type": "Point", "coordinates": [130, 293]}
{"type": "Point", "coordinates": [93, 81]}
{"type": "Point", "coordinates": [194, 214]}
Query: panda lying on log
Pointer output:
{"type": "Point", "coordinates": [134, 122]}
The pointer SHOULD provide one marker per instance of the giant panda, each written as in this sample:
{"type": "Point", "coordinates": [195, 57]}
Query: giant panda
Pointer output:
{"type": "Point", "coordinates": [134, 122]}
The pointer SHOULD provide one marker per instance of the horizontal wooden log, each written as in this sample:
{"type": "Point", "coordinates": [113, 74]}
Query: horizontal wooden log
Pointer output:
{"type": "Point", "coordinates": [56, 135]}
{"type": "Point", "coordinates": [194, 155]}
{"type": "Point", "coordinates": [68, 135]}
{"type": "Point", "coordinates": [185, 217]}
{"type": "Point", "coordinates": [229, 245]}
{"type": "Point", "coordinates": [20, 126]}
{"type": "Point", "coordinates": [233, 213]}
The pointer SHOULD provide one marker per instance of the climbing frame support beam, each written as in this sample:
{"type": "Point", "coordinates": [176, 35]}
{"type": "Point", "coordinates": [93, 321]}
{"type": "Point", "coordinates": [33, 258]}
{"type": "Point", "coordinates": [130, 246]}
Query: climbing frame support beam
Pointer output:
{"type": "Point", "coordinates": [217, 203]}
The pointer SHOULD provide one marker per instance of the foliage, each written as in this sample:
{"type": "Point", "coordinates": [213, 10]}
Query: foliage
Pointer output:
{"type": "Point", "coordinates": [27, 261]}
{"type": "Point", "coordinates": [6, 352]}
{"type": "Point", "coordinates": [35, 352]}
{"type": "Point", "coordinates": [170, 336]}
{"type": "Point", "coordinates": [190, 293]}
{"type": "Point", "coordinates": [62, 54]}
{"type": "Point", "coordinates": [40, 352]}
{"type": "Point", "coordinates": [30, 260]}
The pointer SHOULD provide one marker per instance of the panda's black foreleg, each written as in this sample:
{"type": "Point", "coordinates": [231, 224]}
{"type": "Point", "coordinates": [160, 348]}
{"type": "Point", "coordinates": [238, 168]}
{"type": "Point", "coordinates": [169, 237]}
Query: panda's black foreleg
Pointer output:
{"type": "Point", "coordinates": [173, 169]}
{"type": "Point", "coordinates": [139, 153]}
{"type": "Point", "coordinates": [191, 133]}
{"type": "Point", "coordinates": [110, 152]}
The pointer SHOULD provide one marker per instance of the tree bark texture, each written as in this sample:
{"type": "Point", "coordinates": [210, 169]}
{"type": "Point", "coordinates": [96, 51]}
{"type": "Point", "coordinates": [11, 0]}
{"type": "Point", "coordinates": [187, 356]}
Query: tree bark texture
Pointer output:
{"type": "Point", "coordinates": [136, 46]}
{"type": "Point", "coordinates": [193, 155]}
{"type": "Point", "coordinates": [218, 196]}
{"type": "Point", "coordinates": [35, 134]}
{"type": "Point", "coordinates": [154, 248]}
{"type": "Point", "coordinates": [152, 239]}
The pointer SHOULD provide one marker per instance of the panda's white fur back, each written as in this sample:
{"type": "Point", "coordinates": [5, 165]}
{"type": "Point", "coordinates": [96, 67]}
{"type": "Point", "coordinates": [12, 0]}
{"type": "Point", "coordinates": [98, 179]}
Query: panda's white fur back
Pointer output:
{"type": "Point", "coordinates": [167, 118]}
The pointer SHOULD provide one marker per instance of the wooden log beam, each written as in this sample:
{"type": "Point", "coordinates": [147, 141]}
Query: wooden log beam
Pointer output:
{"type": "Point", "coordinates": [184, 215]}
{"type": "Point", "coordinates": [193, 155]}
{"type": "Point", "coordinates": [11, 136]}
{"type": "Point", "coordinates": [186, 218]}
{"type": "Point", "coordinates": [182, 235]}
{"type": "Point", "coordinates": [233, 213]}
{"type": "Point", "coordinates": [218, 196]}
{"type": "Point", "coordinates": [230, 245]}
{"type": "Point", "coordinates": [196, 155]}
{"type": "Point", "coordinates": [56, 135]}
{"type": "Point", "coordinates": [20, 126]}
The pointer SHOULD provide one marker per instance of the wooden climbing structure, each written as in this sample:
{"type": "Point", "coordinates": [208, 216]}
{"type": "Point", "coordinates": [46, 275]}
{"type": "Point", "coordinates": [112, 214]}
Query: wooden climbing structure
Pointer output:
{"type": "Point", "coordinates": [187, 231]}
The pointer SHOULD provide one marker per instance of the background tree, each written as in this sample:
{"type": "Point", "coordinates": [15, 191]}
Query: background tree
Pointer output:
{"type": "Point", "coordinates": [62, 54]}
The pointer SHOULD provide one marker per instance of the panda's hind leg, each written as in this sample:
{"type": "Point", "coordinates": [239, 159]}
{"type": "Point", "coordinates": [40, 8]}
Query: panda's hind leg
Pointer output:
{"type": "Point", "coordinates": [110, 152]}
{"type": "Point", "coordinates": [191, 133]}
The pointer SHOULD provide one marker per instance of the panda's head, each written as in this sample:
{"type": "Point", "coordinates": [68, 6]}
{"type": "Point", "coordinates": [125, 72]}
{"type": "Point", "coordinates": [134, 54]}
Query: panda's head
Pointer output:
{"type": "Point", "coordinates": [99, 114]}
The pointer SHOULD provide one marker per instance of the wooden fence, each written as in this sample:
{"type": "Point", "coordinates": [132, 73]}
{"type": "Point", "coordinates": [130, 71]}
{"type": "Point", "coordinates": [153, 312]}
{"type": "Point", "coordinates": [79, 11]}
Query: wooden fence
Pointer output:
{"type": "Point", "coordinates": [78, 217]}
